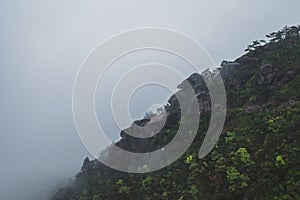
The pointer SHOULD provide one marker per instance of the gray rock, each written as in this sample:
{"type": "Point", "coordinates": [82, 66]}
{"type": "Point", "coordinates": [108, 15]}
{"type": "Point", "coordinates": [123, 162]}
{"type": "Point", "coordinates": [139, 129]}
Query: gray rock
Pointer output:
{"type": "Point", "coordinates": [247, 60]}
{"type": "Point", "coordinates": [228, 68]}
{"type": "Point", "coordinates": [195, 80]}
{"type": "Point", "coordinates": [267, 74]}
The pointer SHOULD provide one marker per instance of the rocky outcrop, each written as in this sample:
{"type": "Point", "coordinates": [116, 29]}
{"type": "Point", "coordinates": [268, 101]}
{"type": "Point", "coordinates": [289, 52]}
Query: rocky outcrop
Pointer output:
{"type": "Point", "coordinates": [271, 75]}
{"type": "Point", "coordinates": [228, 68]}
{"type": "Point", "coordinates": [251, 109]}
{"type": "Point", "coordinates": [247, 60]}
{"type": "Point", "coordinates": [267, 74]}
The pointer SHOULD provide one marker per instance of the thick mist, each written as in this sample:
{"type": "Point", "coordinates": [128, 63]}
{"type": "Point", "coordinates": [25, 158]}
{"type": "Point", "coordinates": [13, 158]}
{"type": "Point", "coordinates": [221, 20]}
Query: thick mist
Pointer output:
{"type": "Point", "coordinates": [43, 43]}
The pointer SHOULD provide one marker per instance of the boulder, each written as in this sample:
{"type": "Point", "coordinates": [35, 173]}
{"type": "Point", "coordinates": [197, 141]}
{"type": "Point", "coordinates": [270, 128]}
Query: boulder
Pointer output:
{"type": "Point", "coordinates": [267, 74]}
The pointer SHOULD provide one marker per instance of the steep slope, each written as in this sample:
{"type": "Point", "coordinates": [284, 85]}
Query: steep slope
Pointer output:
{"type": "Point", "coordinates": [257, 155]}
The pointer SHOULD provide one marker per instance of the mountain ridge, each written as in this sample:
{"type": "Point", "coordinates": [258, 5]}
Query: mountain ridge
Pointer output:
{"type": "Point", "coordinates": [257, 155]}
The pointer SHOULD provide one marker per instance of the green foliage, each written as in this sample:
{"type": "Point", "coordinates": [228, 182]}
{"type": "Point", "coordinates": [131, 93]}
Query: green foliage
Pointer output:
{"type": "Point", "coordinates": [123, 189]}
{"type": "Point", "coordinates": [287, 33]}
{"type": "Point", "coordinates": [189, 159]}
{"type": "Point", "coordinates": [243, 155]}
{"type": "Point", "coordinates": [279, 161]}
{"type": "Point", "coordinates": [165, 195]}
{"type": "Point", "coordinates": [236, 179]}
{"type": "Point", "coordinates": [147, 182]}
{"type": "Point", "coordinates": [230, 136]}
{"type": "Point", "coordinates": [84, 195]}
{"type": "Point", "coordinates": [96, 197]}
{"type": "Point", "coordinates": [194, 191]}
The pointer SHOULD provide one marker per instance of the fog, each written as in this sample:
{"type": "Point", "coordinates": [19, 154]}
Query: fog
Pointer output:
{"type": "Point", "coordinates": [43, 43]}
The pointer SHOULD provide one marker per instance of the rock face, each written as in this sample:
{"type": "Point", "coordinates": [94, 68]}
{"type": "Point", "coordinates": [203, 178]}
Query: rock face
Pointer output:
{"type": "Point", "coordinates": [85, 165]}
{"type": "Point", "coordinates": [267, 74]}
{"type": "Point", "coordinates": [251, 109]}
{"type": "Point", "coordinates": [146, 128]}
{"type": "Point", "coordinates": [246, 60]}
{"type": "Point", "coordinates": [228, 68]}
{"type": "Point", "coordinates": [195, 80]}
{"type": "Point", "coordinates": [271, 75]}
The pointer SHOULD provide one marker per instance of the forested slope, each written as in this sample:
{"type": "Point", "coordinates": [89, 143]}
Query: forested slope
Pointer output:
{"type": "Point", "coordinates": [257, 155]}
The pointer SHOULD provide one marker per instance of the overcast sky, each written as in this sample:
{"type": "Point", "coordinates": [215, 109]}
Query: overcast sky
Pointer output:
{"type": "Point", "coordinates": [43, 43]}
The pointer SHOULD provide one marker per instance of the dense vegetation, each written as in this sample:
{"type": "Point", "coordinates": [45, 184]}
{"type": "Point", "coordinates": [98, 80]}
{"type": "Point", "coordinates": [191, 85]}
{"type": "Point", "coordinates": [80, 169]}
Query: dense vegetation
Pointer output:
{"type": "Point", "coordinates": [257, 155]}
